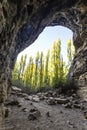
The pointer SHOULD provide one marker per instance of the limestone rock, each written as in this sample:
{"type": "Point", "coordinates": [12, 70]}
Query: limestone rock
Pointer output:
{"type": "Point", "coordinates": [36, 99]}
{"type": "Point", "coordinates": [51, 101]}
{"type": "Point", "coordinates": [24, 95]}
{"type": "Point", "coordinates": [30, 98]}
{"type": "Point", "coordinates": [14, 88]}
{"type": "Point", "coordinates": [61, 100]}
{"type": "Point", "coordinates": [22, 22]}
{"type": "Point", "coordinates": [68, 105]}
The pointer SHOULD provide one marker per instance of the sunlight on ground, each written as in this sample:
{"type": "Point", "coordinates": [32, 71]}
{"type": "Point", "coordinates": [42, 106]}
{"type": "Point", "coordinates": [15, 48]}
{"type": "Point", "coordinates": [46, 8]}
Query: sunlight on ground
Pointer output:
{"type": "Point", "coordinates": [45, 40]}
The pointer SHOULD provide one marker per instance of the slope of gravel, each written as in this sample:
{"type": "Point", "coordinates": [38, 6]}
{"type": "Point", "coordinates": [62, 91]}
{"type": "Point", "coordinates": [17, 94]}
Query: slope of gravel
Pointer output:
{"type": "Point", "coordinates": [48, 117]}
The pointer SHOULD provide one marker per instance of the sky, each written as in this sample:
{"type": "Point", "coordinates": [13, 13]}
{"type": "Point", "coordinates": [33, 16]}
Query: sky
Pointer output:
{"type": "Point", "coordinates": [45, 40]}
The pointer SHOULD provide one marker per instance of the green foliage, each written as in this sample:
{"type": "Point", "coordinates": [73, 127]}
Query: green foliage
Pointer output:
{"type": "Point", "coordinates": [70, 52]}
{"type": "Point", "coordinates": [43, 72]}
{"type": "Point", "coordinates": [46, 69]}
{"type": "Point", "coordinates": [17, 75]}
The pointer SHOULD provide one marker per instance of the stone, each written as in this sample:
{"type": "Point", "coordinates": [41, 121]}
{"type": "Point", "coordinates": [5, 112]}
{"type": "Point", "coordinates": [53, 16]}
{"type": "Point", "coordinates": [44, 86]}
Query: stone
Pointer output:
{"type": "Point", "coordinates": [7, 111]}
{"type": "Point", "coordinates": [30, 98]}
{"type": "Point", "coordinates": [13, 102]}
{"type": "Point", "coordinates": [61, 111]}
{"type": "Point", "coordinates": [33, 110]}
{"type": "Point", "coordinates": [21, 24]}
{"type": "Point", "coordinates": [71, 124]}
{"type": "Point", "coordinates": [32, 117]}
{"type": "Point", "coordinates": [19, 105]}
{"type": "Point", "coordinates": [61, 100]}
{"type": "Point", "coordinates": [36, 99]}
{"type": "Point", "coordinates": [48, 114]}
{"type": "Point", "coordinates": [54, 94]}
{"type": "Point", "coordinates": [34, 114]}
{"type": "Point", "coordinates": [14, 88]}
{"type": "Point", "coordinates": [78, 106]}
{"type": "Point", "coordinates": [41, 98]}
{"type": "Point", "coordinates": [48, 94]}
{"type": "Point", "coordinates": [25, 109]}
{"type": "Point", "coordinates": [24, 95]}
{"type": "Point", "coordinates": [39, 94]}
{"type": "Point", "coordinates": [68, 105]}
{"type": "Point", "coordinates": [76, 102]}
{"type": "Point", "coordinates": [74, 95]}
{"type": "Point", "coordinates": [85, 114]}
{"type": "Point", "coordinates": [51, 101]}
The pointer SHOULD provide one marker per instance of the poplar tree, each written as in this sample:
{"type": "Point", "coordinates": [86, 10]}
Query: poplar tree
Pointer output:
{"type": "Point", "coordinates": [41, 69]}
{"type": "Point", "coordinates": [55, 62]}
{"type": "Point", "coordinates": [21, 68]}
{"type": "Point", "coordinates": [15, 80]}
{"type": "Point", "coordinates": [36, 69]}
{"type": "Point", "coordinates": [28, 74]}
{"type": "Point", "coordinates": [46, 71]}
{"type": "Point", "coordinates": [43, 72]}
{"type": "Point", "coordinates": [70, 52]}
{"type": "Point", "coordinates": [52, 66]}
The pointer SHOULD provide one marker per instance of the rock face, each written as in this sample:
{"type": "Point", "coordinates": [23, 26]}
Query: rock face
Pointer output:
{"type": "Point", "coordinates": [21, 21]}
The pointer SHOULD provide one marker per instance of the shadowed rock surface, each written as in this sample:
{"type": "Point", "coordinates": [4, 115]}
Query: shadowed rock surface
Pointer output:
{"type": "Point", "coordinates": [69, 112]}
{"type": "Point", "coordinates": [21, 22]}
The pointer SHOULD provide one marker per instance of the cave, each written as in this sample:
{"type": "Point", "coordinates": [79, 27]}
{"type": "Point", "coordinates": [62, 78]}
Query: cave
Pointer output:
{"type": "Point", "coordinates": [21, 22]}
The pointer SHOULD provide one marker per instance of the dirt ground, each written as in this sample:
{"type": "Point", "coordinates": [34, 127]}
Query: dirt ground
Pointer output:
{"type": "Point", "coordinates": [50, 117]}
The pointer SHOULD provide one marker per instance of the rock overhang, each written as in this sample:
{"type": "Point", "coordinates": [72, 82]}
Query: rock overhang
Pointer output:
{"type": "Point", "coordinates": [22, 21]}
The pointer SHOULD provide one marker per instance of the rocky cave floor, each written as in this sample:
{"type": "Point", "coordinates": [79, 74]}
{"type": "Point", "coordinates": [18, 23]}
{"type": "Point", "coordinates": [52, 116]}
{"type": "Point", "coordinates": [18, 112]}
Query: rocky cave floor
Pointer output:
{"type": "Point", "coordinates": [45, 111]}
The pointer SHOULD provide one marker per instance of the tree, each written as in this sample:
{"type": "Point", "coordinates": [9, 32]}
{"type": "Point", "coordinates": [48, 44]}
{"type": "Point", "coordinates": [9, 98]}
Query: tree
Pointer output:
{"type": "Point", "coordinates": [21, 68]}
{"type": "Point", "coordinates": [18, 71]}
{"type": "Point", "coordinates": [70, 52]}
{"type": "Point", "coordinates": [36, 69]}
{"type": "Point", "coordinates": [28, 74]}
{"type": "Point", "coordinates": [15, 80]}
{"type": "Point", "coordinates": [41, 70]}
{"type": "Point", "coordinates": [46, 72]}
{"type": "Point", "coordinates": [55, 62]}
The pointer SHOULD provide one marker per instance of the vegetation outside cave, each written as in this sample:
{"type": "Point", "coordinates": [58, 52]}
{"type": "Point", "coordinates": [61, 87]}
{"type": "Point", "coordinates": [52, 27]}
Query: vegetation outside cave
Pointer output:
{"type": "Point", "coordinates": [43, 72]}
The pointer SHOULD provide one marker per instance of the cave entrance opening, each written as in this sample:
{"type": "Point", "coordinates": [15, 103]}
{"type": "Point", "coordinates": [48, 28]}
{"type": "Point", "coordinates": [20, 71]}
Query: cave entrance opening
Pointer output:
{"type": "Point", "coordinates": [46, 62]}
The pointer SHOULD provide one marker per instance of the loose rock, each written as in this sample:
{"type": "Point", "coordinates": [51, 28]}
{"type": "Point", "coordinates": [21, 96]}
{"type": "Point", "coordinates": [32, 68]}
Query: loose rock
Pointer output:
{"type": "Point", "coordinates": [51, 101]}
{"type": "Point", "coordinates": [78, 106]}
{"type": "Point", "coordinates": [34, 114]}
{"type": "Point", "coordinates": [36, 99]}
{"type": "Point", "coordinates": [48, 114]}
{"type": "Point", "coordinates": [12, 103]}
{"type": "Point", "coordinates": [68, 105]}
{"type": "Point", "coordinates": [85, 114]}
{"type": "Point", "coordinates": [61, 100]}
{"type": "Point", "coordinates": [7, 111]}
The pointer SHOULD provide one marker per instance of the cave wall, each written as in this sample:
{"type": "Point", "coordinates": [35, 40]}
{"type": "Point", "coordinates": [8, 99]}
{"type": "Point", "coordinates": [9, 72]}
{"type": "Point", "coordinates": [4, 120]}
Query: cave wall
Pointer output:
{"type": "Point", "coordinates": [21, 21]}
